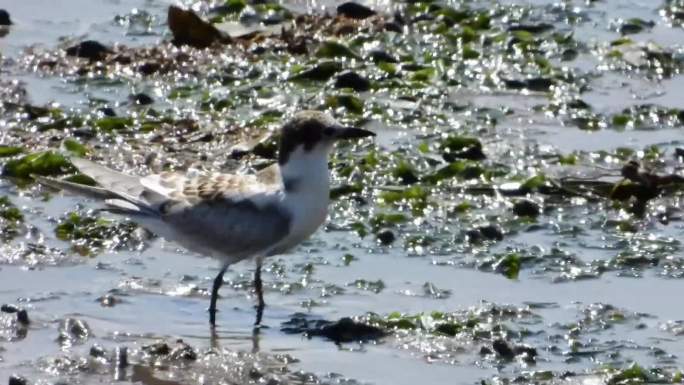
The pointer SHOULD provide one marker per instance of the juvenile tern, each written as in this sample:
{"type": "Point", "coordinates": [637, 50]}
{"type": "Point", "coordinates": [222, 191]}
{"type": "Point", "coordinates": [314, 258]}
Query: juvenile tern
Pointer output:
{"type": "Point", "coordinates": [231, 217]}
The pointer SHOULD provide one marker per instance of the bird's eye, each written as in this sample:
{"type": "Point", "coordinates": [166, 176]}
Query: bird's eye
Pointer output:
{"type": "Point", "coordinates": [328, 131]}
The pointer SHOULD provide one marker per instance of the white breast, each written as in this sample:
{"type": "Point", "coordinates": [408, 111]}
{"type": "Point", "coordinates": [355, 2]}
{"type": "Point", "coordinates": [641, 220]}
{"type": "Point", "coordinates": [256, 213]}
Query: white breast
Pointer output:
{"type": "Point", "coordinates": [309, 197]}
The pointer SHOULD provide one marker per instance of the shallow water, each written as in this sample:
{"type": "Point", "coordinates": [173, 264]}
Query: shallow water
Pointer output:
{"type": "Point", "coordinates": [163, 290]}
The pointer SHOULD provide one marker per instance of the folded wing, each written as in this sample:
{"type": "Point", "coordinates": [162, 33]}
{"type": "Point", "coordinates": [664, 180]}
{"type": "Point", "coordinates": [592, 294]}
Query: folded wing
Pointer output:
{"type": "Point", "coordinates": [217, 214]}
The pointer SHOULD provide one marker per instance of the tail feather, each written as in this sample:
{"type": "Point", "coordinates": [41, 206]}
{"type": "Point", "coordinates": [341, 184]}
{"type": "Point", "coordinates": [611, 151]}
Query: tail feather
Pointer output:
{"type": "Point", "coordinates": [77, 188]}
{"type": "Point", "coordinates": [123, 194]}
{"type": "Point", "coordinates": [108, 178]}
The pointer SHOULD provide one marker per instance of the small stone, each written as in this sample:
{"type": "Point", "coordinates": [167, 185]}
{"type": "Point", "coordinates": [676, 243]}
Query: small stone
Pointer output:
{"type": "Point", "coordinates": [72, 331]}
{"type": "Point", "coordinates": [87, 133]}
{"type": "Point", "coordinates": [183, 351]}
{"type": "Point", "coordinates": [502, 349]}
{"type": "Point", "coordinates": [473, 236]}
{"type": "Point", "coordinates": [141, 99]}
{"type": "Point", "coordinates": [491, 232]}
{"type": "Point", "coordinates": [89, 49]}
{"type": "Point", "coordinates": [107, 111]}
{"type": "Point", "coordinates": [539, 84]}
{"type": "Point", "coordinates": [531, 28]}
{"type": "Point", "coordinates": [378, 56]}
{"type": "Point", "coordinates": [16, 379]}
{"type": "Point", "coordinates": [533, 84]}
{"type": "Point", "coordinates": [679, 153]}
{"type": "Point", "coordinates": [22, 317]}
{"type": "Point", "coordinates": [348, 330]}
{"type": "Point", "coordinates": [393, 26]}
{"type": "Point", "coordinates": [527, 353]}
{"type": "Point", "coordinates": [354, 10]}
{"type": "Point", "coordinates": [350, 79]}
{"type": "Point", "coordinates": [473, 152]}
{"type": "Point", "coordinates": [7, 308]}
{"type": "Point", "coordinates": [108, 300]}
{"type": "Point", "coordinates": [5, 18]}
{"type": "Point", "coordinates": [525, 208]}
{"type": "Point", "coordinates": [97, 351]}
{"type": "Point", "coordinates": [157, 349]}
{"type": "Point", "coordinates": [149, 68]}
{"type": "Point", "coordinates": [484, 351]}
{"type": "Point", "coordinates": [386, 237]}
{"type": "Point", "coordinates": [569, 54]}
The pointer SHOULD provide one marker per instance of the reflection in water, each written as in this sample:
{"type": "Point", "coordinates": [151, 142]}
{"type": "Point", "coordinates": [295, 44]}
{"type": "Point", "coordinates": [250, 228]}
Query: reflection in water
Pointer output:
{"type": "Point", "coordinates": [145, 375]}
{"type": "Point", "coordinates": [214, 339]}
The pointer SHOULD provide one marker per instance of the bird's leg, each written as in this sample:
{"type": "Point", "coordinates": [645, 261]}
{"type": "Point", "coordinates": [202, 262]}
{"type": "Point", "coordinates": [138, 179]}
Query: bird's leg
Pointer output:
{"type": "Point", "coordinates": [259, 287]}
{"type": "Point", "coordinates": [218, 281]}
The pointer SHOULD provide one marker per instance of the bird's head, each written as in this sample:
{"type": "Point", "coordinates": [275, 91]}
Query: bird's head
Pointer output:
{"type": "Point", "coordinates": [314, 133]}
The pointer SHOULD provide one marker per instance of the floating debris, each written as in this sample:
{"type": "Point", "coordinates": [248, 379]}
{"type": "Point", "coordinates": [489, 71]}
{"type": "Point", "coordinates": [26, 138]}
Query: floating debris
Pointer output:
{"type": "Point", "coordinates": [190, 29]}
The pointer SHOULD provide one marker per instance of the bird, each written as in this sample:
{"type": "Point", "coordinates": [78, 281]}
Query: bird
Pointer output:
{"type": "Point", "coordinates": [231, 217]}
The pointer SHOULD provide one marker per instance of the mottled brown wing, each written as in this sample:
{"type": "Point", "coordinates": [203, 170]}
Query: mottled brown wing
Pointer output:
{"type": "Point", "coordinates": [226, 215]}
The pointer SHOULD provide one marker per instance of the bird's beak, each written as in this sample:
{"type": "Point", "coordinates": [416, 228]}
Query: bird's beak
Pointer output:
{"type": "Point", "coordinates": [352, 133]}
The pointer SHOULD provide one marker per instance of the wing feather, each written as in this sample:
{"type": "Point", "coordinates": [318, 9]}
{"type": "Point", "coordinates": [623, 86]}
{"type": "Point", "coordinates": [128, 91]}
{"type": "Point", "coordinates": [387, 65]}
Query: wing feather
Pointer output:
{"type": "Point", "coordinates": [237, 216]}
{"type": "Point", "coordinates": [236, 228]}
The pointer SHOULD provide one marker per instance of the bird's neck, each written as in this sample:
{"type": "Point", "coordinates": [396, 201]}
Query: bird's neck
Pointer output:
{"type": "Point", "coordinates": [305, 174]}
{"type": "Point", "coordinates": [306, 191]}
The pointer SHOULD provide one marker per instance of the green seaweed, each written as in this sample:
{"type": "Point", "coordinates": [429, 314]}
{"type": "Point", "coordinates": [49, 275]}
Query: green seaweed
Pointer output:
{"type": "Point", "coordinates": [45, 163]}
{"type": "Point", "coordinates": [7, 151]}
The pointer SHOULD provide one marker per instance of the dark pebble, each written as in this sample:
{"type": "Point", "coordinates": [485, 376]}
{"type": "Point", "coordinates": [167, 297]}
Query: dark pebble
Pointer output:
{"type": "Point", "coordinates": [5, 18]}
{"type": "Point", "coordinates": [87, 133]}
{"type": "Point", "coordinates": [569, 54]}
{"type": "Point", "coordinates": [485, 351]}
{"type": "Point", "coordinates": [567, 374]}
{"type": "Point", "coordinates": [539, 84]}
{"type": "Point", "coordinates": [97, 351]}
{"type": "Point", "coordinates": [526, 353]}
{"type": "Point", "coordinates": [531, 28]}
{"type": "Point", "coordinates": [73, 330]}
{"type": "Point", "coordinates": [534, 84]}
{"type": "Point", "coordinates": [122, 59]}
{"type": "Point", "coordinates": [633, 28]}
{"type": "Point", "coordinates": [578, 104]}
{"type": "Point", "coordinates": [16, 379]}
{"type": "Point", "coordinates": [157, 349]}
{"type": "Point", "coordinates": [35, 112]}
{"type": "Point", "coordinates": [108, 300]}
{"type": "Point", "coordinates": [141, 99]}
{"type": "Point", "coordinates": [393, 26]}
{"type": "Point", "coordinates": [474, 236]}
{"type": "Point", "coordinates": [350, 79]}
{"type": "Point", "coordinates": [348, 330]}
{"type": "Point", "coordinates": [148, 68]}
{"type": "Point", "coordinates": [354, 10]}
{"type": "Point", "coordinates": [89, 49]}
{"type": "Point", "coordinates": [9, 308]}
{"type": "Point", "coordinates": [502, 349]}
{"type": "Point", "coordinates": [258, 50]}
{"type": "Point", "coordinates": [382, 56]}
{"type": "Point", "coordinates": [491, 232]}
{"type": "Point", "coordinates": [183, 351]}
{"type": "Point", "coordinates": [679, 153]}
{"type": "Point", "coordinates": [107, 111]}
{"type": "Point", "coordinates": [525, 208]}
{"type": "Point", "coordinates": [22, 317]}
{"type": "Point", "coordinates": [472, 153]}
{"type": "Point", "coordinates": [386, 237]}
